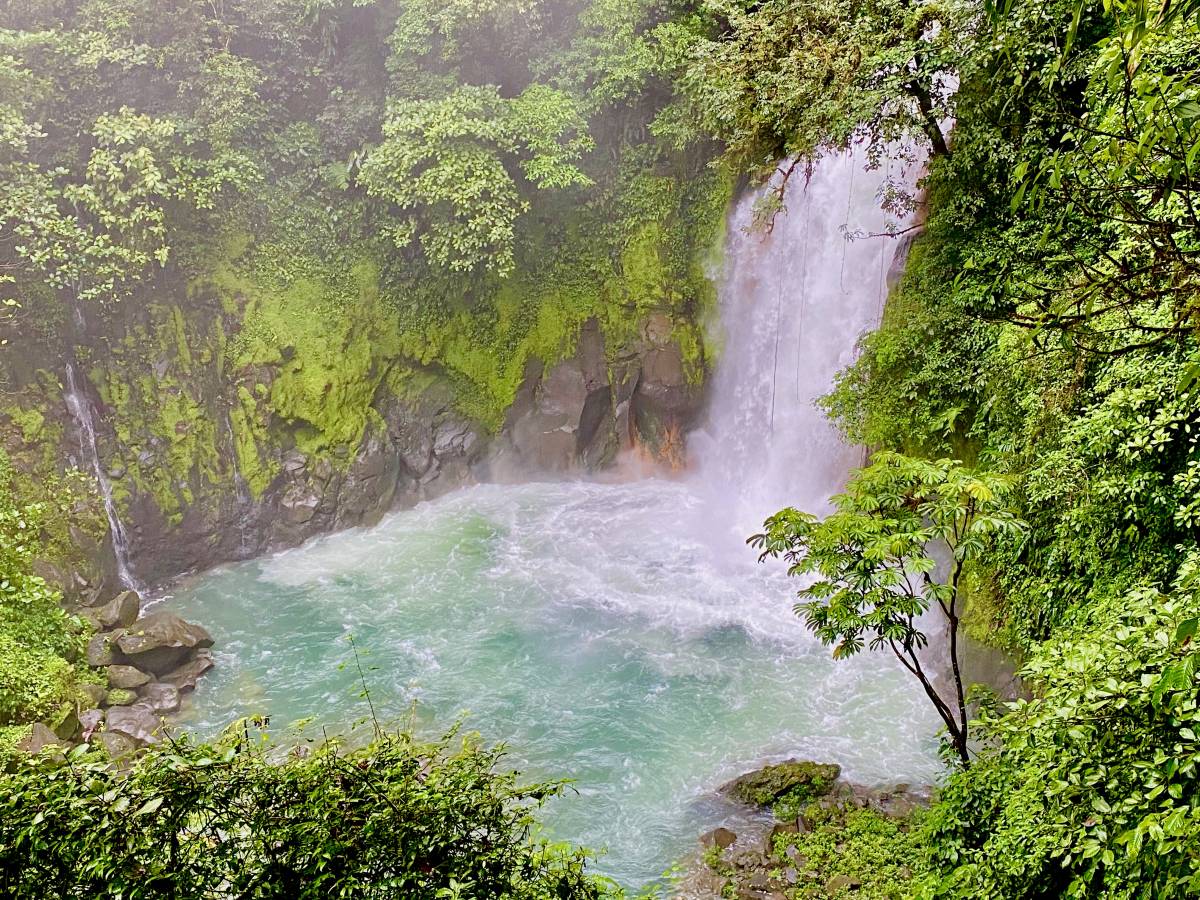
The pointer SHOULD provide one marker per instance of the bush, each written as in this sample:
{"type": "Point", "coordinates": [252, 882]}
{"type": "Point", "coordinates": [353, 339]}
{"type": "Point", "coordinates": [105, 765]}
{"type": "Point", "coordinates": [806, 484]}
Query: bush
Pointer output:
{"type": "Point", "coordinates": [38, 640]}
{"type": "Point", "coordinates": [395, 819]}
{"type": "Point", "coordinates": [1093, 788]}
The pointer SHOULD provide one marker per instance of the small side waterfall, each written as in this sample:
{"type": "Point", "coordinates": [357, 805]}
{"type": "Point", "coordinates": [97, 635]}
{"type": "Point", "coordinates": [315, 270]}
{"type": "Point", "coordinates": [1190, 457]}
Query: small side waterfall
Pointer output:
{"type": "Point", "coordinates": [795, 299]}
{"type": "Point", "coordinates": [81, 411]}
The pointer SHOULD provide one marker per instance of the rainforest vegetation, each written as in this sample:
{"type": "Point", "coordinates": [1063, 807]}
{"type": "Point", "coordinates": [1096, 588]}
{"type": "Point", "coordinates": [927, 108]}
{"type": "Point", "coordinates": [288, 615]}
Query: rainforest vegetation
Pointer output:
{"type": "Point", "coordinates": [372, 197]}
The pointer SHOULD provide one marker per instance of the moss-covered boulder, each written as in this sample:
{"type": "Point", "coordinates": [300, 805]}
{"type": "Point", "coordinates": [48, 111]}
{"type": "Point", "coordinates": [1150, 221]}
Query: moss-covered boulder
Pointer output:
{"type": "Point", "coordinates": [120, 697]}
{"type": "Point", "coordinates": [797, 780]}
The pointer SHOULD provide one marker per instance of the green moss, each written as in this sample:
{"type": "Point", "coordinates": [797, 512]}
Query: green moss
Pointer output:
{"type": "Point", "coordinates": [29, 421]}
{"type": "Point", "coordinates": [256, 469]}
{"type": "Point", "coordinates": [120, 697]}
{"type": "Point", "coordinates": [795, 781]}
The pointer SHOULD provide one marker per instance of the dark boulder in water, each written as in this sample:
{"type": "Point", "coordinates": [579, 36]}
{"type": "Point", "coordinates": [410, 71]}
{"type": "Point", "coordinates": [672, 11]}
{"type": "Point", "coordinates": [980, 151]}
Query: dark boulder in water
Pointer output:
{"type": "Point", "coordinates": [185, 677]}
{"type": "Point", "coordinates": [162, 641]}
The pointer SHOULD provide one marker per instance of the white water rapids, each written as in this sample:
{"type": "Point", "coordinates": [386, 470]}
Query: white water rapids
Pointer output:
{"type": "Point", "coordinates": [618, 634]}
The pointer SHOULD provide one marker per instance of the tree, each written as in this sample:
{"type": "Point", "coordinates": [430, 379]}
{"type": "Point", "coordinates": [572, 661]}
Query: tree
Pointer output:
{"type": "Point", "coordinates": [1104, 181]}
{"type": "Point", "coordinates": [792, 78]}
{"type": "Point", "coordinates": [454, 169]}
{"type": "Point", "coordinates": [875, 562]}
{"type": "Point", "coordinates": [90, 234]}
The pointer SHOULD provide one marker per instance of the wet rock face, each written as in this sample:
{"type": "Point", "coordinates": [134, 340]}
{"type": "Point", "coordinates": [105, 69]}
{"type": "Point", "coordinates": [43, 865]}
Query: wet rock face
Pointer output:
{"type": "Point", "coordinates": [212, 470]}
{"type": "Point", "coordinates": [148, 664]}
{"type": "Point", "coordinates": [161, 642]}
{"type": "Point", "coordinates": [581, 412]}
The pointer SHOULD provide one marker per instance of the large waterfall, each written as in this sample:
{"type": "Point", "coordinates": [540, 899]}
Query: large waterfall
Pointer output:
{"type": "Point", "coordinates": [621, 634]}
{"type": "Point", "coordinates": [795, 298]}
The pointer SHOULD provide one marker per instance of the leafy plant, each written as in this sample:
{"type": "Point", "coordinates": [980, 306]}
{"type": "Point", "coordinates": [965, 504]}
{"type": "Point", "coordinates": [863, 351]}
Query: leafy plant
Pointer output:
{"type": "Point", "coordinates": [875, 564]}
{"type": "Point", "coordinates": [394, 818]}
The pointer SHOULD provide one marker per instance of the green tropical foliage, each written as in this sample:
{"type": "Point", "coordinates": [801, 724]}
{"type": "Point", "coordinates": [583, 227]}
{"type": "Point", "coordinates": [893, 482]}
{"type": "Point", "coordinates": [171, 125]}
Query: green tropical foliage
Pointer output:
{"type": "Point", "coordinates": [451, 165]}
{"type": "Point", "coordinates": [1092, 786]}
{"type": "Point", "coordinates": [395, 818]}
{"type": "Point", "coordinates": [39, 643]}
{"type": "Point", "coordinates": [871, 566]}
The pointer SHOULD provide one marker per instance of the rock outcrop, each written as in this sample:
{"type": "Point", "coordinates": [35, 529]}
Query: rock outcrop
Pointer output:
{"type": "Point", "coordinates": [148, 663]}
{"type": "Point", "coordinates": [580, 413]}
{"type": "Point", "coordinates": [763, 862]}
{"type": "Point", "coordinates": [161, 642]}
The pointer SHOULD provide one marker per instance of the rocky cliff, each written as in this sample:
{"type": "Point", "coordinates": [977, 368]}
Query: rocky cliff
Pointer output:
{"type": "Point", "coordinates": [231, 419]}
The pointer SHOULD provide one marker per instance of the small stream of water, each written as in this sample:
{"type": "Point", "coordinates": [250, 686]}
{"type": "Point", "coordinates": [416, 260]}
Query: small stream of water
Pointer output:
{"type": "Point", "coordinates": [80, 408]}
{"type": "Point", "coordinates": [620, 634]}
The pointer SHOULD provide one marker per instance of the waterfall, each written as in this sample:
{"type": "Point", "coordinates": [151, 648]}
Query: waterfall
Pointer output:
{"type": "Point", "coordinates": [795, 299]}
{"type": "Point", "coordinates": [81, 411]}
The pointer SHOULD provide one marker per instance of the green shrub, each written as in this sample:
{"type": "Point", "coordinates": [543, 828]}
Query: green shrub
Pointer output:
{"type": "Point", "coordinates": [38, 640]}
{"type": "Point", "coordinates": [1092, 789]}
{"type": "Point", "coordinates": [866, 855]}
{"type": "Point", "coordinates": [393, 819]}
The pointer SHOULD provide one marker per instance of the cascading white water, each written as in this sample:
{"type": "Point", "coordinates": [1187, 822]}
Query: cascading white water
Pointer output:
{"type": "Point", "coordinates": [620, 634]}
{"type": "Point", "coordinates": [85, 424]}
{"type": "Point", "coordinates": [794, 300]}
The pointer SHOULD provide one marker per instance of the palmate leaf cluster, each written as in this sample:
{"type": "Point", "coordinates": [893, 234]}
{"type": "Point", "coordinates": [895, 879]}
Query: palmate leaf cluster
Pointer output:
{"type": "Point", "coordinates": [872, 566]}
{"type": "Point", "coordinates": [873, 560]}
{"type": "Point", "coordinates": [239, 819]}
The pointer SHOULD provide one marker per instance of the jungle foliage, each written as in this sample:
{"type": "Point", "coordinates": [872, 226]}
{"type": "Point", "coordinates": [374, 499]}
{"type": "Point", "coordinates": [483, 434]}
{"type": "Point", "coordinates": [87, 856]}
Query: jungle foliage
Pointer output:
{"type": "Point", "coordinates": [1042, 339]}
{"type": "Point", "coordinates": [1044, 330]}
{"type": "Point", "coordinates": [40, 644]}
{"type": "Point", "coordinates": [395, 818]}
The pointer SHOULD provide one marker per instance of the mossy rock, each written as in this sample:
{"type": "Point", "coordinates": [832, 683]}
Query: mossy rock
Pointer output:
{"type": "Point", "coordinates": [121, 697]}
{"type": "Point", "coordinates": [798, 780]}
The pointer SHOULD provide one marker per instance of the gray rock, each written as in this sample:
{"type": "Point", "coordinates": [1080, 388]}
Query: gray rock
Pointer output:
{"type": "Point", "coordinates": [299, 506]}
{"type": "Point", "coordinates": [67, 728]}
{"type": "Point", "coordinates": [749, 859]}
{"type": "Point", "coordinates": [764, 786]}
{"type": "Point", "coordinates": [114, 743]}
{"type": "Point", "coordinates": [185, 677]}
{"type": "Point", "coordinates": [101, 650]}
{"type": "Point", "coordinates": [121, 611]}
{"type": "Point", "coordinates": [91, 695]}
{"type": "Point", "coordinates": [294, 461]}
{"type": "Point", "coordinates": [120, 697]}
{"type": "Point", "coordinates": [162, 641]}
{"type": "Point", "coordinates": [139, 723]}
{"type": "Point", "coordinates": [160, 697]}
{"type": "Point", "coordinates": [452, 438]}
{"type": "Point", "coordinates": [90, 721]}
{"type": "Point", "coordinates": [718, 837]}
{"type": "Point", "coordinates": [39, 738]}
{"type": "Point", "coordinates": [126, 677]}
